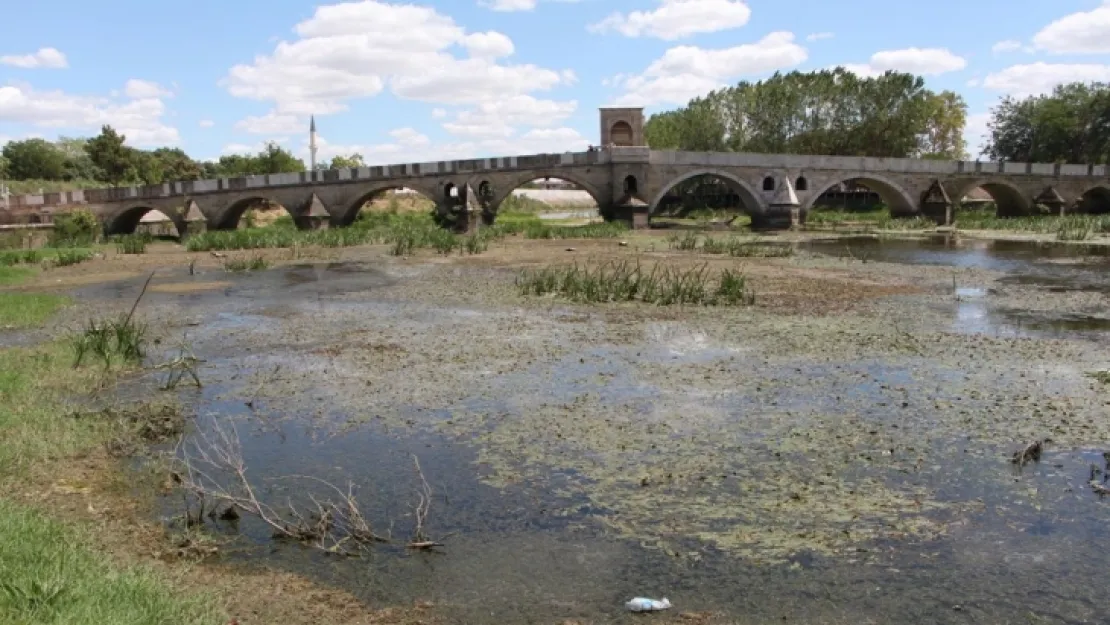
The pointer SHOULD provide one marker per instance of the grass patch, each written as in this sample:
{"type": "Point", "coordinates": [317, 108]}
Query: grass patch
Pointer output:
{"type": "Point", "coordinates": [608, 230]}
{"type": "Point", "coordinates": [731, 246]}
{"type": "Point", "coordinates": [405, 233]}
{"type": "Point", "coordinates": [25, 310]}
{"type": "Point", "coordinates": [49, 578]}
{"type": "Point", "coordinates": [1102, 377]}
{"type": "Point", "coordinates": [624, 281]}
{"type": "Point", "coordinates": [46, 575]}
{"type": "Point", "coordinates": [133, 243]}
{"type": "Point", "coordinates": [123, 339]}
{"type": "Point", "coordinates": [255, 262]}
{"type": "Point", "coordinates": [14, 275]}
{"type": "Point", "coordinates": [58, 257]}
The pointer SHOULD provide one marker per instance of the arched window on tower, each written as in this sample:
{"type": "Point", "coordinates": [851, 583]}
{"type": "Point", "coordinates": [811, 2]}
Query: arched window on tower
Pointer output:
{"type": "Point", "coordinates": [801, 184]}
{"type": "Point", "coordinates": [768, 184]}
{"type": "Point", "coordinates": [621, 134]}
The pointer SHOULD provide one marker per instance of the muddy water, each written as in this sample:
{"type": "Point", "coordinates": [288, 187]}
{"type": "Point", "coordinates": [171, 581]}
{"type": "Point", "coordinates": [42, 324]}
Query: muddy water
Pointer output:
{"type": "Point", "coordinates": [772, 468]}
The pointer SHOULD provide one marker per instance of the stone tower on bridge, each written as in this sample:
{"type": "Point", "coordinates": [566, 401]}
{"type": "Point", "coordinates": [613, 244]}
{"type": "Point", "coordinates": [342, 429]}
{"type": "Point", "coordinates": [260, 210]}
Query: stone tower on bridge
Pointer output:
{"type": "Point", "coordinates": [622, 127]}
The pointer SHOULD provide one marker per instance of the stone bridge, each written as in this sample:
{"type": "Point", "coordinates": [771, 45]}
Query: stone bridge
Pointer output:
{"type": "Point", "coordinates": [627, 182]}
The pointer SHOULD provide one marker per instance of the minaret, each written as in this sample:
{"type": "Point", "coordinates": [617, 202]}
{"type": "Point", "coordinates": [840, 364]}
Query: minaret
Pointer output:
{"type": "Point", "coordinates": [312, 143]}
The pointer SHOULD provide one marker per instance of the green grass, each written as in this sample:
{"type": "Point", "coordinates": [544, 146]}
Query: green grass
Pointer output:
{"type": "Point", "coordinates": [123, 338]}
{"type": "Point", "coordinates": [624, 281]}
{"type": "Point", "coordinates": [47, 574]}
{"type": "Point", "coordinates": [608, 230]}
{"type": "Point", "coordinates": [133, 243]}
{"type": "Point", "coordinates": [246, 263]}
{"type": "Point", "coordinates": [25, 310]}
{"type": "Point", "coordinates": [60, 257]}
{"type": "Point", "coordinates": [14, 275]}
{"type": "Point", "coordinates": [48, 577]}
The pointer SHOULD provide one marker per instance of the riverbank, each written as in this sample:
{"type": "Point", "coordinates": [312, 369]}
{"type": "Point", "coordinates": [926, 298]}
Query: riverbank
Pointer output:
{"type": "Point", "coordinates": [855, 419]}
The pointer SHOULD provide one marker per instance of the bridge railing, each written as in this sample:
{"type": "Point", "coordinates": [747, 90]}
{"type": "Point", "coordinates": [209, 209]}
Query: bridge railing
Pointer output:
{"type": "Point", "coordinates": [548, 161]}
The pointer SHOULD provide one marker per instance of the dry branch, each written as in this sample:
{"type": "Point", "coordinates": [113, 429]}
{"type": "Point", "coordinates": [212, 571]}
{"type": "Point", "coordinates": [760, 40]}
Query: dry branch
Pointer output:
{"type": "Point", "coordinates": [420, 540]}
{"type": "Point", "coordinates": [213, 470]}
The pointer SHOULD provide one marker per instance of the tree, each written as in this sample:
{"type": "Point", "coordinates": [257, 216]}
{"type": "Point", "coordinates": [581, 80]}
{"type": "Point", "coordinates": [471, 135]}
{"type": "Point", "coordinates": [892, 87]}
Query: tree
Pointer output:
{"type": "Point", "coordinates": [1072, 124]}
{"type": "Point", "coordinates": [175, 164]}
{"type": "Point", "coordinates": [345, 162]}
{"type": "Point", "coordinates": [109, 152]}
{"type": "Point", "coordinates": [34, 159]}
{"type": "Point", "coordinates": [274, 159]}
{"type": "Point", "coordinates": [824, 112]}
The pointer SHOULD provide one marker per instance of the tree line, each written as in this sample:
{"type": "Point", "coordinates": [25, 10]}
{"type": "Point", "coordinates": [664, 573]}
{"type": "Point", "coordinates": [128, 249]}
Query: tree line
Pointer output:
{"type": "Point", "coordinates": [836, 112]}
{"type": "Point", "coordinates": [107, 160]}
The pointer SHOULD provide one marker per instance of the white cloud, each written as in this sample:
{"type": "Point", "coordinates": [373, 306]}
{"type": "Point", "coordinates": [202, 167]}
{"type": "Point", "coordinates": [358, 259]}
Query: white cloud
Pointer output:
{"type": "Point", "coordinates": [1009, 45]}
{"type": "Point", "coordinates": [818, 36]}
{"type": "Point", "coordinates": [206, 123]}
{"type": "Point", "coordinates": [406, 145]}
{"type": "Point", "coordinates": [135, 88]}
{"type": "Point", "coordinates": [273, 124]}
{"type": "Point", "coordinates": [439, 113]}
{"type": "Point", "coordinates": [1037, 78]}
{"type": "Point", "coordinates": [488, 45]}
{"type": "Point", "coordinates": [921, 61]}
{"type": "Point", "coordinates": [1085, 32]}
{"type": "Point", "coordinates": [359, 49]}
{"type": "Point", "coordinates": [139, 119]}
{"type": "Point", "coordinates": [508, 5]}
{"type": "Point", "coordinates": [684, 72]}
{"type": "Point", "coordinates": [49, 58]}
{"type": "Point", "coordinates": [675, 19]}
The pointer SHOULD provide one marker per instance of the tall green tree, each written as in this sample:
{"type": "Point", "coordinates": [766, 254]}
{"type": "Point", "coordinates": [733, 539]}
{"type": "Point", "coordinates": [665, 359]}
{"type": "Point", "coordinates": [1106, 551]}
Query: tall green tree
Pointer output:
{"type": "Point", "coordinates": [1071, 124]}
{"type": "Point", "coordinates": [33, 159]}
{"type": "Point", "coordinates": [345, 162]}
{"type": "Point", "coordinates": [109, 152]}
{"type": "Point", "coordinates": [831, 112]}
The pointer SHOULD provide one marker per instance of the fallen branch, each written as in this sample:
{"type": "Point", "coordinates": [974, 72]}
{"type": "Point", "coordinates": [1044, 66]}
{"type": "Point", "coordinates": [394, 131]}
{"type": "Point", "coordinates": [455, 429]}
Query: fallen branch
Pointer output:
{"type": "Point", "coordinates": [184, 364]}
{"type": "Point", "coordinates": [1031, 453]}
{"type": "Point", "coordinates": [212, 469]}
{"type": "Point", "coordinates": [419, 539]}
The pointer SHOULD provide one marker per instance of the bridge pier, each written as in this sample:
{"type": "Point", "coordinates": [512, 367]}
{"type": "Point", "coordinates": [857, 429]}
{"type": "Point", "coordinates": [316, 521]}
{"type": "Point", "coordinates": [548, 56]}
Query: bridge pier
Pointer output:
{"type": "Point", "coordinates": [785, 218]}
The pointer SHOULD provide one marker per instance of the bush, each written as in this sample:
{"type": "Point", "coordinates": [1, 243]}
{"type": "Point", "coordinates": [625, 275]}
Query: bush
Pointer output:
{"type": "Point", "coordinates": [76, 228]}
{"type": "Point", "coordinates": [132, 243]}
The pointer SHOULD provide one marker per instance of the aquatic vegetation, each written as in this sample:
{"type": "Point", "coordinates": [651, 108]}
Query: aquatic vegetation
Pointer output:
{"type": "Point", "coordinates": [605, 230]}
{"type": "Point", "coordinates": [255, 262]}
{"type": "Point", "coordinates": [132, 243]}
{"type": "Point", "coordinates": [106, 340]}
{"type": "Point", "coordinates": [740, 248]}
{"type": "Point", "coordinates": [624, 281]}
{"type": "Point", "coordinates": [59, 257]}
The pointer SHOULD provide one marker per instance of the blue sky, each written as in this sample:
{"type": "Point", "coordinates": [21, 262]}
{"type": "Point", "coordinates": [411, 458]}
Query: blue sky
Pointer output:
{"type": "Point", "coordinates": [441, 79]}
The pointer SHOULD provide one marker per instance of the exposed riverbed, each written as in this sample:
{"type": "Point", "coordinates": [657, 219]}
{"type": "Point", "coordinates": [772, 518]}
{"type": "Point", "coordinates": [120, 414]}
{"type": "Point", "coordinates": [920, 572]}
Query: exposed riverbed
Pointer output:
{"type": "Point", "coordinates": [836, 454]}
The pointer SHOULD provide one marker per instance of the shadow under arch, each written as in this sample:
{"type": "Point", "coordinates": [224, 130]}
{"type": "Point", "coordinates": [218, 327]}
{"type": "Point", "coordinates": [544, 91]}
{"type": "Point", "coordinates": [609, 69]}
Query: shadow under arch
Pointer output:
{"type": "Point", "coordinates": [1095, 200]}
{"type": "Point", "coordinates": [128, 220]}
{"type": "Point", "coordinates": [1009, 201]}
{"type": "Point", "coordinates": [897, 200]}
{"type": "Point", "coordinates": [229, 219]}
{"type": "Point", "coordinates": [355, 208]}
{"type": "Point", "coordinates": [497, 195]}
{"type": "Point", "coordinates": [750, 202]}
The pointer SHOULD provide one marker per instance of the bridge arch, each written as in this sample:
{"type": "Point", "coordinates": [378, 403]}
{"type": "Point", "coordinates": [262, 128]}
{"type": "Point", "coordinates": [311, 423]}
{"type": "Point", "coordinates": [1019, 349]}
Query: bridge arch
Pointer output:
{"type": "Point", "coordinates": [229, 218]}
{"type": "Point", "coordinates": [749, 198]}
{"type": "Point", "coordinates": [350, 212]}
{"type": "Point", "coordinates": [1095, 200]}
{"type": "Point", "coordinates": [500, 192]}
{"type": "Point", "coordinates": [128, 220]}
{"type": "Point", "coordinates": [1009, 201]}
{"type": "Point", "coordinates": [896, 198]}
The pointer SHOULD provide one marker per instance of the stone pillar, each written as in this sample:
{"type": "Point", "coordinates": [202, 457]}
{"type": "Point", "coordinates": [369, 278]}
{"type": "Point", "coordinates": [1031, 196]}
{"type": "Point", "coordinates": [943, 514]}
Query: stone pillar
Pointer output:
{"type": "Point", "coordinates": [936, 204]}
{"type": "Point", "coordinates": [783, 213]}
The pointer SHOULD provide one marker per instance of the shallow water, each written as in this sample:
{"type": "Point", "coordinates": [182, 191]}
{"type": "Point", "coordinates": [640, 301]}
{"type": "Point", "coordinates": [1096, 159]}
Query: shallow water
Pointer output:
{"type": "Point", "coordinates": [577, 462]}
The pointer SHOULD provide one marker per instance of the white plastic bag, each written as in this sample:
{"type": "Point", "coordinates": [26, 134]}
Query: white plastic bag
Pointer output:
{"type": "Point", "coordinates": [643, 604]}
